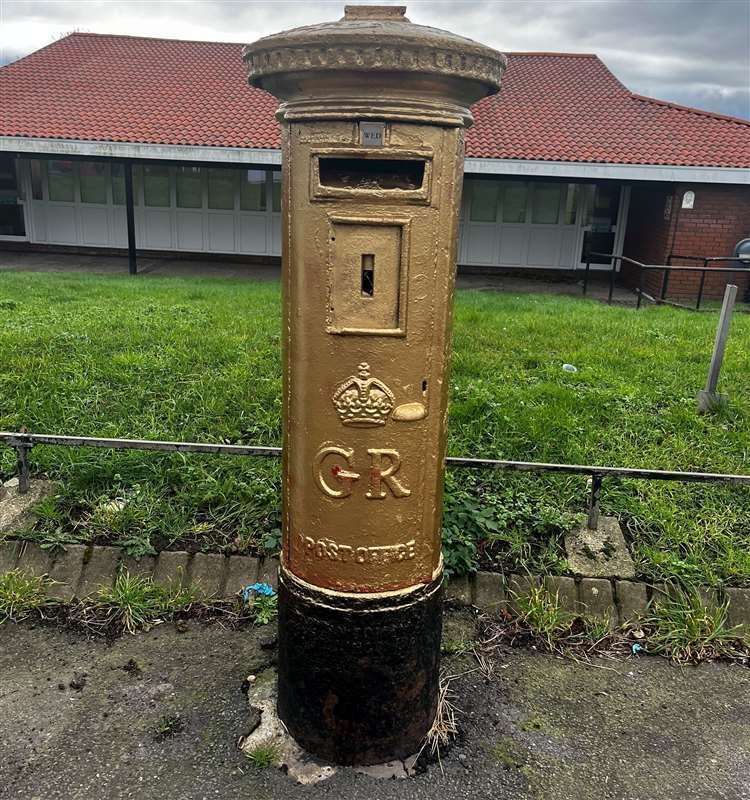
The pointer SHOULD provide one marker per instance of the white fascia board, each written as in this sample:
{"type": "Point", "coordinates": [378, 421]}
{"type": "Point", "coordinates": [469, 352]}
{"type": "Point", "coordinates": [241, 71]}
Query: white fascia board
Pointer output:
{"type": "Point", "coordinates": [161, 152]}
{"type": "Point", "coordinates": [475, 166]}
{"type": "Point", "coordinates": [592, 171]}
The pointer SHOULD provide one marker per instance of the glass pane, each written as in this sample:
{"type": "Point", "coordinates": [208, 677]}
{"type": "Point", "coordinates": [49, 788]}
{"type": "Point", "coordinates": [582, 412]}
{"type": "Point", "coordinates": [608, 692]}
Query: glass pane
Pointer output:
{"type": "Point", "coordinates": [515, 197]}
{"type": "Point", "coordinates": [189, 187]}
{"type": "Point", "coordinates": [603, 207]}
{"type": "Point", "coordinates": [93, 176]}
{"type": "Point", "coordinates": [484, 197]}
{"type": "Point", "coordinates": [36, 179]}
{"type": "Point", "coordinates": [546, 204]}
{"type": "Point", "coordinates": [572, 202]}
{"type": "Point", "coordinates": [221, 183]}
{"type": "Point", "coordinates": [253, 190]}
{"type": "Point", "coordinates": [62, 181]}
{"type": "Point", "coordinates": [156, 186]}
{"type": "Point", "coordinates": [276, 186]}
{"type": "Point", "coordinates": [118, 185]}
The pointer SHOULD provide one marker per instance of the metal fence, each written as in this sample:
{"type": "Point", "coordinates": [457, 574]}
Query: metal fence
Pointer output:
{"type": "Point", "coordinates": [23, 443]}
{"type": "Point", "coordinates": [666, 270]}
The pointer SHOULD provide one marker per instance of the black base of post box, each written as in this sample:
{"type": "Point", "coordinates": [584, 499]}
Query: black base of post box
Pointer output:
{"type": "Point", "coordinates": [359, 676]}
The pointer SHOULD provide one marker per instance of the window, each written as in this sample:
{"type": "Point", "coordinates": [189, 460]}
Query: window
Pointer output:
{"type": "Point", "coordinates": [156, 186]}
{"type": "Point", "coordinates": [515, 196]}
{"type": "Point", "coordinates": [484, 200]}
{"type": "Point", "coordinates": [94, 180]}
{"type": "Point", "coordinates": [253, 190]}
{"type": "Point", "coordinates": [62, 181]}
{"type": "Point", "coordinates": [546, 204]}
{"type": "Point", "coordinates": [189, 187]}
{"type": "Point", "coordinates": [36, 179]}
{"type": "Point", "coordinates": [276, 189]}
{"type": "Point", "coordinates": [572, 202]}
{"type": "Point", "coordinates": [221, 186]}
{"type": "Point", "coordinates": [118, 185]}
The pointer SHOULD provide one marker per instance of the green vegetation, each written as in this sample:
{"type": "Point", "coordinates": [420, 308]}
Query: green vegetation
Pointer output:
{"type": "Point", "coordinates": [263, 609]}
{"type": "Point", "coordinates": [21, 595]}
{"type": "Point", "coordinates": [685, 629]}
{"type": "Point", "coordinates": [134, 603]}
{"type": "Point", "coordinates": [264, 755]}
{"type": "Point", "coordinates": [541, 612]}
{"type": "Point", "coordinates": [199, 359]}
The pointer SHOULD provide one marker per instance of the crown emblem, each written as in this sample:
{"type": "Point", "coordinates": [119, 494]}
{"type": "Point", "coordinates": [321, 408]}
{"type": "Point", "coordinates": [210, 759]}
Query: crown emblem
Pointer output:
{"type": "Point", "coordinates": [362, 400]}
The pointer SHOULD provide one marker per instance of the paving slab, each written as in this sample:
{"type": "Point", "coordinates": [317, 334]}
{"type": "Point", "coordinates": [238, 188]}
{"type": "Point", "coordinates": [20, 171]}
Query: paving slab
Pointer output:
{"type": "Point", "coordinates": [542, 728]}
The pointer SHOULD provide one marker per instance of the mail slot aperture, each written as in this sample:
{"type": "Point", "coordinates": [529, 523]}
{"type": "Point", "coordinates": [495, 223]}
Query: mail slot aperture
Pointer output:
{"type": "Point", "coordinates": [381, 174]}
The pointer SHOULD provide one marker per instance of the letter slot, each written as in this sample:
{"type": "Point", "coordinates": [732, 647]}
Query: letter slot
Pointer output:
{"type": "Point", "coordinates": [367, 276]}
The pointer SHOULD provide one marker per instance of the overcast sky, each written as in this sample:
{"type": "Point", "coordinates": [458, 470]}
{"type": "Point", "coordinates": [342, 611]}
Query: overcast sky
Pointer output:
{"type": "Point", "coordinates": [695, 52]}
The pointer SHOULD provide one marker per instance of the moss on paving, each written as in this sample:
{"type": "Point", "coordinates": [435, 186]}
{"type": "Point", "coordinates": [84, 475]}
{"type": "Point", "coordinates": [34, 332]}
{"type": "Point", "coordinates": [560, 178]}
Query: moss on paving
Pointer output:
{"type": "Point", "coordinates": [199, 359]}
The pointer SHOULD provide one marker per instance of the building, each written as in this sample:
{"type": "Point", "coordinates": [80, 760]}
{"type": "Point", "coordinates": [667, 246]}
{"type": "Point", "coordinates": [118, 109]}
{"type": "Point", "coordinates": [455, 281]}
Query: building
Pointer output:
{"type": "Point", "coordinates": [563, 162]}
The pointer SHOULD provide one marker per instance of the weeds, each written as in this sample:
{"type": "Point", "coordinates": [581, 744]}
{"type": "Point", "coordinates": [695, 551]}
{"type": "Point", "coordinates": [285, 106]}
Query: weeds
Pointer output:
{"type": "Point", "coordinates": [22, 595]}
{"type": "Point", "coordinates": [168, 726]}
{"type": "Point", "coordinates": [135, 603]}
{"type": "Point", "coordinates": [683, 628]}
{"type": "Point", "coordinates": [264, 755]}
{"type": "Point", "coordinates": [542, 614]}
{"type": "Point", "coordinates": [680, 627]}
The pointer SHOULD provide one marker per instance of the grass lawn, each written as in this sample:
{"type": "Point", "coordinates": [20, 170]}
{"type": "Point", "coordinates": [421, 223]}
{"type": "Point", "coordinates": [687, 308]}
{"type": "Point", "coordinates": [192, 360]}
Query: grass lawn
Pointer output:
{"type": "Point", "coordinates": [199, 360]}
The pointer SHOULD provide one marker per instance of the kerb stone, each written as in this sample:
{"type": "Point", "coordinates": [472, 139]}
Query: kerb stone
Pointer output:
{"type": "Point", "coordinates": [100, 571]}
{"type": "Point", "coordinates": [597, 601]}
{"type": "Point", "coordinates": [241, 571]}
{"type": "Point", "coordinates": [489, 592]}
{"type": "Point", "coordinates": [207, 573]}
{"type": "Point", "coordinates": [632, 600]}
{"type": "Point", "coordinates": [66, 572]}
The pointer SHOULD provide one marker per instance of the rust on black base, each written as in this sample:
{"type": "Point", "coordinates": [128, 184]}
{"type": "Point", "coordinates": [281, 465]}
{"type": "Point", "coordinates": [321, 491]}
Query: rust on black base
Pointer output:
{"type": "Point", "coordinates": [358, 677]}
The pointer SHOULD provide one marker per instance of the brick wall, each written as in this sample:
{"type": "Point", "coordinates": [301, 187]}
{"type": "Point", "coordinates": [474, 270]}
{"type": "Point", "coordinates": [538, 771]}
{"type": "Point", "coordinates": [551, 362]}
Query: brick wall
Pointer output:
{"type": "Point", "coordinates": [719, 218]}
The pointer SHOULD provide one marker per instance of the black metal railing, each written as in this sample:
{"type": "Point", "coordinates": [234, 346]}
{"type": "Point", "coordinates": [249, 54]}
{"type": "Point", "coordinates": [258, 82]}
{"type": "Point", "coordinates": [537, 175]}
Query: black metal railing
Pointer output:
{"type": "Point", "coordinates": [23, 442]}
{"type": "Point", "coordinates": [666, 269]}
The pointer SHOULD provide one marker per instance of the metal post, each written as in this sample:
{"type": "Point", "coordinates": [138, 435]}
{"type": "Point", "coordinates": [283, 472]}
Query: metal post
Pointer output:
{"type": "Point", "coordinates": [586, 276]}
{"type": "Point", "coordinates": [593, 517]}
{"type": "Point", "coordinates": [708, 399]}
{"type": "Point", "coordinates": [130, 215]}
{"type": "Point", "coordinates": [612, 274]}
{"type": "Point", "coordinates": [640, 287]}
{"type": "Point", "coordinates": [365, 361]}
{"type": "Point", "coordinates": [665, 284]}
{"type": "Point", "coordinates": [22, 465]}
{"type": "Point", "coordinates": [700, 289]}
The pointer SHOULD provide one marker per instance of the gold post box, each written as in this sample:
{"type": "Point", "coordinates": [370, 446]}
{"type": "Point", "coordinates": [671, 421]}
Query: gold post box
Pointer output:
{"type": "Point", "coordinates": [373, 115]}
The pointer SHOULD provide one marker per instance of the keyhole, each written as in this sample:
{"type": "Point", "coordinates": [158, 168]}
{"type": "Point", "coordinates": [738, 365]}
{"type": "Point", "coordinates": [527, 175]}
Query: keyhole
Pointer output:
{"type": "Point", "coordinates": [368, 275]}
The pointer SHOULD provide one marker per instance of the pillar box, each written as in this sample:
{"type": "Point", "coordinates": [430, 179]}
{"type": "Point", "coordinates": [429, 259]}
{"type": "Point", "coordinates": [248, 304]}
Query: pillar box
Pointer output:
{"type": "Point", "coordinates": [373, 115]}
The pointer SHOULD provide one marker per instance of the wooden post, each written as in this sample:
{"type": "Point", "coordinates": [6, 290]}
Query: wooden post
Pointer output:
{"type": "Point", "coordinates": [130, 214]}
{"type": "Point", "coordinates": [708, 399]}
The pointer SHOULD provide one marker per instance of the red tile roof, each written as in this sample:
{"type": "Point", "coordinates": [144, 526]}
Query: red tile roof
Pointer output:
{"type": "Point", "coordinates": [552, 106]}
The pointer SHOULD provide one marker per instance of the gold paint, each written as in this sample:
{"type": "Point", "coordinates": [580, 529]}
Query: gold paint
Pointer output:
{"type": "Point", "coordinates": [369, 245]}
{"type": "Point", "coordinates": [410, 412]}
{"type": "Point", "coordinates": [363, 401]}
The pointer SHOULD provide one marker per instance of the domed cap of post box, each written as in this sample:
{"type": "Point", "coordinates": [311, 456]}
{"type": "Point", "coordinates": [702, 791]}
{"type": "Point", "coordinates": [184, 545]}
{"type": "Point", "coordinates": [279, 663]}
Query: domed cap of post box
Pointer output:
{"type": "Point", "coordinates": [373, 51]}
